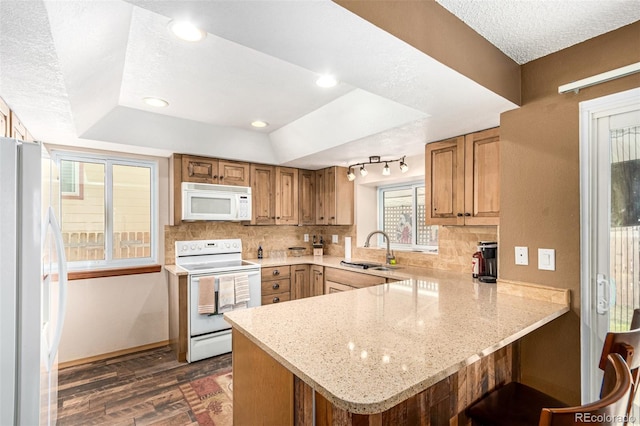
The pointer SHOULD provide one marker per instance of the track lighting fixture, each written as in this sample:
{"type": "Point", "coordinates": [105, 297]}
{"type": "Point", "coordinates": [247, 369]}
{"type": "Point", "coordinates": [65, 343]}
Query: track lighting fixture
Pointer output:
{"type": "Point", "coordinates": [375, 159]}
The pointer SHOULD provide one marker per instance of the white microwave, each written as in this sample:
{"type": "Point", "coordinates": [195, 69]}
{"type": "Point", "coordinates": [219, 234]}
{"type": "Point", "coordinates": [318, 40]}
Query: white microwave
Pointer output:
{"type": "Point", "coordinates": [203, 201]}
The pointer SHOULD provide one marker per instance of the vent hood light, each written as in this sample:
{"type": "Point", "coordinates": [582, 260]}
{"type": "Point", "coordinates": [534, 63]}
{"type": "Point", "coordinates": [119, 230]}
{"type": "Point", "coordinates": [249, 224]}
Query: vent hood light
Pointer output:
{"type": "Point", "coordinates": [155, 102]}
{"type": "Point", "coordinates": [259, 124]}
{"type": "Point", "coordinates": [326, 81]}
{"type": "Point", "coordinates": [186, 31]}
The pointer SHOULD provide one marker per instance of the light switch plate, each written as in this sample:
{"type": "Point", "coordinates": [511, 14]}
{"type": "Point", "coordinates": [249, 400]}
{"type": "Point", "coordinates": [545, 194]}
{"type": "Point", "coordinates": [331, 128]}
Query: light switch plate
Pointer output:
{"type": "Point", "coordinates": [334, 239]}
{"type": "Point", "coordinates": [522, 255]}
{"type": "Point", "coordinates": [306, 238]}
{"type": "Point", "coordinates": [547, 259]}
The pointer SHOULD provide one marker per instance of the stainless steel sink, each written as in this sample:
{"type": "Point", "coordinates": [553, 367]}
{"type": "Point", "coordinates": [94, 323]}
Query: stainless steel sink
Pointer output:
{"type": "Point", "coordinates": [385, 268]}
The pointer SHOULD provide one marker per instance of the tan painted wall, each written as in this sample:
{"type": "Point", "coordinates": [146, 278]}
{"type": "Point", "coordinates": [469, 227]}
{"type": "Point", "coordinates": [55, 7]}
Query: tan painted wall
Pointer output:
{"type": "Point", "coordinates": [540, 196]}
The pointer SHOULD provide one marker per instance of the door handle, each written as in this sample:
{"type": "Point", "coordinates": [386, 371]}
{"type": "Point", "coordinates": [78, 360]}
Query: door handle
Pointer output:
{"type": "Point", "coordinates": [603, 294]}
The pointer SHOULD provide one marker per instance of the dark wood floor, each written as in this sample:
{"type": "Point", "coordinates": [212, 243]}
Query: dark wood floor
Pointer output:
{"type": "Point", "coordinates": [136, 389]}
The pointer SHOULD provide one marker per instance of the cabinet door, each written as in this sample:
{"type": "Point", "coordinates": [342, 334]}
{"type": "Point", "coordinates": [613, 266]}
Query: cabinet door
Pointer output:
{"type": "Point", "coordinates": [307, 197]}
{"type": "Point", "coordinates": [444, 186]}
{"type": "Point", "coordinates": [321, 197]}
{"type": "Point", "coordinates": [482, 178]}
{"type": "Point", "coordinates": [199, 169]}
{"type": "Point", "coordinates": [263, 181]}
{"type": "Point", "coordinates": [286, 196]}
{"type": "Point", "coordinates": [233, 173]}
{"type": "Point", "coordinates": [18, 131]}
{"type": "Point", "coordinates": [333, 287]}
{"type": "Point", "coordinates": [317, 280]}
{"type": "Point", "coordinates": [301, 284]}
{"type": "Point", "coordinates": [341, 210]}
{"type": "Point", "coordinates": [5, 130]}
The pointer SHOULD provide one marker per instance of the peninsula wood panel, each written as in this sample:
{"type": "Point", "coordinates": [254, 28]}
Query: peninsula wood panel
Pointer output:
{"type": "Point", "coordinates": [263, 180]}
{"type": "Point", "coordinates": [267, 401]}
{"type": "Point", "coordinates": [482, 177]}
{"type": "Point", "coordinates": [178, 315]}
{"type": "Point", "coordinates": [441, 404]}
{"type": "Point", "coordinates": [286, 196]}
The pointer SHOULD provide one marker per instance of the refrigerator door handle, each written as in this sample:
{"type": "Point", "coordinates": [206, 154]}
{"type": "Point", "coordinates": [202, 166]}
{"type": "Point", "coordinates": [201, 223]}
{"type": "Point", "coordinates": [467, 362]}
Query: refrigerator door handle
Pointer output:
{"type": "Point", "coordinates": [62, 285]}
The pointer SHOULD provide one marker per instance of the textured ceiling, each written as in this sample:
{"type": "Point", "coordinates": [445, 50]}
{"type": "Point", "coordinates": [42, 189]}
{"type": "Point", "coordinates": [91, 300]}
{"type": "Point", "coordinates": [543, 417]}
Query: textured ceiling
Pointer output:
{"type": "Point", "coordinates": [529, 29]}
{"type": "Point", "coordinates": [76, 71]}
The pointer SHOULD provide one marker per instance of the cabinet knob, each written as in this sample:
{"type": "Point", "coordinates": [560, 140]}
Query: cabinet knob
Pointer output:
{"type": "Point", "coordinates": [467, 214]}
{"type": "Point", "coordinates": [321, 217]}
{"type": "Point", "coordinates": [276, 299]}
{"type": "Point", "coordinates": [273, 217]}
{"type": "Point", "coordinates": [215, 176]}
{"type": "Point", "coordinates": [276, 272]}
{"type": "Point", "coordinates": [333, 217]}
{"type": "Point", "coordinates": [276, 286]}
{"type": "Point", "coordinates": [277, 217]}
{"type": "Point", "coordinates": [460, 214]}
{"type": "Point", "coordinates": [221, 177]}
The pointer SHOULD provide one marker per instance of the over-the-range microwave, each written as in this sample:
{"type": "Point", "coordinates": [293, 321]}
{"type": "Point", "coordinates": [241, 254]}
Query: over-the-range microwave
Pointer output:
{"type": "Point", "coordinates": [204, 201]}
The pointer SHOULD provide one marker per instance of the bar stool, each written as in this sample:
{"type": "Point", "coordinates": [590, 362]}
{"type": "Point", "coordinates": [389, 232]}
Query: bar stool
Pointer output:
{"type": "Point", "coordinates": [612, 407]}
{"type": "Point", "coordinates": [519, 404]}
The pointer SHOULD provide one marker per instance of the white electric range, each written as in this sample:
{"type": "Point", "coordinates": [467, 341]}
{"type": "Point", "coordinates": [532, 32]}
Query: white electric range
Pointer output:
{"type": "Point", "coordinates": [210, 334]}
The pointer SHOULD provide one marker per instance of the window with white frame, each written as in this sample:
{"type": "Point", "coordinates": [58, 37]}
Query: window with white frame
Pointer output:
{"type": "Point", "coordinates": [402, 217]}
{"type": "Point", "coordinates": [108, 210]}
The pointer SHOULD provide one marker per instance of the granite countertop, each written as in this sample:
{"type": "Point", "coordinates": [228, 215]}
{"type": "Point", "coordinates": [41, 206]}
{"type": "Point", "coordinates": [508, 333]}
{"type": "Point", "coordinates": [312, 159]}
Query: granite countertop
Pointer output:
{"type": "Point", "coordinates": [367, 350]}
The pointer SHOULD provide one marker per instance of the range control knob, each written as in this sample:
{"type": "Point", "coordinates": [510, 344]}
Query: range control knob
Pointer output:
{"type": "Point", "coordinates": [226, 245]}
{"type": "Point", "coordinates": [235, 245]}
{"type": "Point", "coordinates": [185, 247]}
{"type": "Point", "coordinates": [199, 246]}
{"type": "Point", "coordinates": [193, 247]}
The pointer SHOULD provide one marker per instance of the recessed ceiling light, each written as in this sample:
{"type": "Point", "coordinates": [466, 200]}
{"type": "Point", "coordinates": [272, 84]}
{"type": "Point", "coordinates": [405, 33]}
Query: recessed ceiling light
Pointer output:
{"type": "Point", "coordinates": [155, 102]}
{"type": "Point", "coordinates": [186, 31]}
{"type": "Point", "coordinates": [259, 124]}
{"type": "Point", "coordinates": [326, 81]}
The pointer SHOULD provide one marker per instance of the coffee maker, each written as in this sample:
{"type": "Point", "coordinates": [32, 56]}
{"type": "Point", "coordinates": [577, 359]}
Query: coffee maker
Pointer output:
{"type": "Point", "coordinates": [489, 267]}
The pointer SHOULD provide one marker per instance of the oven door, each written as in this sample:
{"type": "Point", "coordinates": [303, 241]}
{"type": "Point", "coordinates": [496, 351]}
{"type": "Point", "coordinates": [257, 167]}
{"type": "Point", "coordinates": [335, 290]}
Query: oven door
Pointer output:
{"type": "Point", "coordinates": [200, 324]}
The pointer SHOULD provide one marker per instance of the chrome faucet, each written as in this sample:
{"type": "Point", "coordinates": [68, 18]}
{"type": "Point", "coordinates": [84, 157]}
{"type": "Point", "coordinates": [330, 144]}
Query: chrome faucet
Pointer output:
{"type": "Point", "coordinates": [390, 257]}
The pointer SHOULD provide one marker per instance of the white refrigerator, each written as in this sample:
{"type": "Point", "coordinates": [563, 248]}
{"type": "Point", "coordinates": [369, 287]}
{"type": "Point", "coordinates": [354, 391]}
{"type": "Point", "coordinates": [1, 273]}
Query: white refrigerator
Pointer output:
{"type": "Point", "coordinates": [32, 289]}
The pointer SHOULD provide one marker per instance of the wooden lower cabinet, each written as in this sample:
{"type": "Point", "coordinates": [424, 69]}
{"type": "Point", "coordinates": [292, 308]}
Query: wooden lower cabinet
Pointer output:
{"type": "Point", "coordinates": [178, 315]}
{"type": "Point", "coordinates": [317, 280]}
{"type": "Point", "coordinates": [300, 282]}
{"type": "Point", "coordinates": [276, 284]}
{"type": "Point", "coordinates": [341, 280]}
{"type": "Point", "coordinates": [265, 392]}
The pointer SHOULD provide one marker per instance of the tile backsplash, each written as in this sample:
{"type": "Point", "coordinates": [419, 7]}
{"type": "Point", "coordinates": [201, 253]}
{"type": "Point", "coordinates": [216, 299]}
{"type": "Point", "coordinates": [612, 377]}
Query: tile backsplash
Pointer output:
{"type": "Point", "coordinates": [456, 243]}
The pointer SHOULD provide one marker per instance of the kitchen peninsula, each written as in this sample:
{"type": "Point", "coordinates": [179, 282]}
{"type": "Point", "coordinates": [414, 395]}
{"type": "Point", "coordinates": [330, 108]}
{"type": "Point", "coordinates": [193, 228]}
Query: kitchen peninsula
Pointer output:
{"type": "Point", "coordinates": [387, 354]}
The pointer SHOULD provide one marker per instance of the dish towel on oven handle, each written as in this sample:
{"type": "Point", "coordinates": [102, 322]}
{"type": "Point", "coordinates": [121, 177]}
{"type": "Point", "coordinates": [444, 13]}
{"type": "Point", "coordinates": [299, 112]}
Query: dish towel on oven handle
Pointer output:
{"type": "Point", "coordinates": [242, 290]}
{"type": "Point", "coordinates": [226, 293]}
{"type": "Point", "coordinates": [207, 295]}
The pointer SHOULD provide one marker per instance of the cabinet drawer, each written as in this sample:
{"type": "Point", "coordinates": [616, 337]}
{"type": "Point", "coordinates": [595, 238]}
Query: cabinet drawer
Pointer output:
{"type": "Point", "coordinates": [275, 272]}
{"type": "Point", "coordinates": [353, 279]}
{"type": "Point", "coordinates": [276, 286]}
{"type": "Point", "coordinates": [275, 298]}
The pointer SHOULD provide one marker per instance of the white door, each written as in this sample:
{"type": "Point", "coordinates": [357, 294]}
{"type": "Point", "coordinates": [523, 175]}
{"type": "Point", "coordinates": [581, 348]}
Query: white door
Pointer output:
{"type": "Point", "coordinates": [610, 223]}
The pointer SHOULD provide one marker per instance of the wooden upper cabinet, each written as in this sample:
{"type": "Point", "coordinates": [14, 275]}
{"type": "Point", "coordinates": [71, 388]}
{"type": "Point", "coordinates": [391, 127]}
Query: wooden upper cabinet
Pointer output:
{"type": "Point", "coordinates": [482, 177]}
{"type": "Point", "coordinates": [334, 197]}
{"type": "Point", "coordinates": [462, 180]}
{"type": "Point", "coordinates": [286, 196]}
{"type": "Point", "coordinates": [5, 128]}
{"type": "Point", "coordinates": [18, 131]}
{"type": "Point", "coordinates": [213, 170]}
{"type": "Point", "coordinates": [307, 197]}
{"type": "Point", "coordinates": [263, 184]}
{"type": "Point", "coordinates": [321, 197]}
{"type": "Point", "coordinates": [199, 169]}
{"type": "Point", "coordinates": [233, 173]}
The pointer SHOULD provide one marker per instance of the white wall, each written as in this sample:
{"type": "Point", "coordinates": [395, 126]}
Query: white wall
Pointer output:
{"type": "Point", "coordinates": [110, 314]}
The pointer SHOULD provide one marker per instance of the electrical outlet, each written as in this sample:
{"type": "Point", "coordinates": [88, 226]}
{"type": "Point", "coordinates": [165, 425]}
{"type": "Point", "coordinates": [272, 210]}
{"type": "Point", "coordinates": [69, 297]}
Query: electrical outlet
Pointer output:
{"type": "Point", "coordinates": [306, 238]}
{"type": "Point", "coordinates": [334, 239]}
{"type": "Point", "coordinates": [522, 255]}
